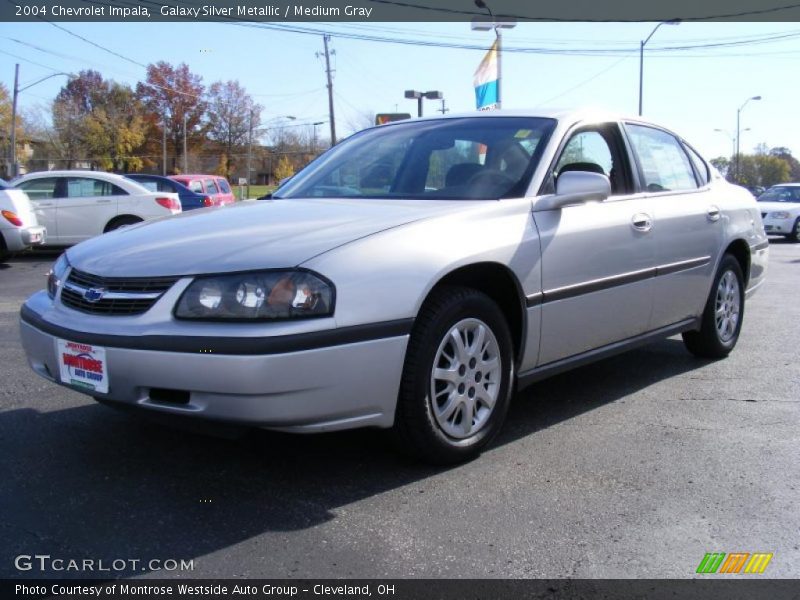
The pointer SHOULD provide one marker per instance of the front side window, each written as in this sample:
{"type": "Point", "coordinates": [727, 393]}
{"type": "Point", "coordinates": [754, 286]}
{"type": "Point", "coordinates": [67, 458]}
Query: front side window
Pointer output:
{"type": "Point", "coordinates": [665, 166]}
{"type": "Point", "coordinates": [461, 158]}
{"type": "Point", "coordinates": [223, 185]}
{"type": "Point", "coordinates": [40, 189]}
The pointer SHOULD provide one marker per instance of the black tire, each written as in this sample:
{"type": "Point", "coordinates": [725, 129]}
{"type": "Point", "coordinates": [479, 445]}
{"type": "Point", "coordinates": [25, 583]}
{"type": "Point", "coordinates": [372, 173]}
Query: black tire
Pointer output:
{"type": "Point", "coordinates": [118, 222]}
{"type": "Point", "coordinates": [416, 427]}
{"type": "Point", "coordinates": [709, 342]}
{"type": "Point", "coordinates": [795, 235]}
{"type": "Point", "coordinates": [4, 253]}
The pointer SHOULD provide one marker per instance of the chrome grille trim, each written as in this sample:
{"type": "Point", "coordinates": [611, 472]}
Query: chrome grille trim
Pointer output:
{"type": "Point", "coordinates": [120, 296]}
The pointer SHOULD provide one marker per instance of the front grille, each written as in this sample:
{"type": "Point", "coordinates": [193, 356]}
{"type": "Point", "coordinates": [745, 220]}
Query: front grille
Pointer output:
{"type": "Point", "coordinates": [119, 295]}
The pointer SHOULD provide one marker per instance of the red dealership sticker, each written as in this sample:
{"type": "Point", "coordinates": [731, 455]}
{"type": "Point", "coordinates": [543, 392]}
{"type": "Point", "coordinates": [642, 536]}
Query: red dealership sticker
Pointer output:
{"type": "Point", "coordinates": [83, 365]}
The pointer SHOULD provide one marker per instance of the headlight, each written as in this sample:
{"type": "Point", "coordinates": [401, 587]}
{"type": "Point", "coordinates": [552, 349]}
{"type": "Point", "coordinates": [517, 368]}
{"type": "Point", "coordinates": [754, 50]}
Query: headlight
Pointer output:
{"type": "Point", "coordinates": [55, 276]}
{"type": "Point", "coordinates": [780, 215]}
{"type": "Point", "coordinates": [261, 295]}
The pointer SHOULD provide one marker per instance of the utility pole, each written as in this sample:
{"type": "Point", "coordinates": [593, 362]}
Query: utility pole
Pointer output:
{"type": "Point", "coordinates": [13, 136]}
{"type": "Point", "coordinates": [444, 109]}
{"type": "Point", "coordinates": [185, 155]}
{"type": "Point", "coordinates": [164, 148]}
{"type": "Point", "coordinates": [325, 40]}
{"type": "Point", "coordinates": [249, 152]}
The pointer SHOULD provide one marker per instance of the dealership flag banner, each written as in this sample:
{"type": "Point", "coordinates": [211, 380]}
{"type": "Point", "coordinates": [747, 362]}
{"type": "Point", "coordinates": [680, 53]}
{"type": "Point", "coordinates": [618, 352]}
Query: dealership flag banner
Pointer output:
{"type": "Point", "coordinates": [485, 80]}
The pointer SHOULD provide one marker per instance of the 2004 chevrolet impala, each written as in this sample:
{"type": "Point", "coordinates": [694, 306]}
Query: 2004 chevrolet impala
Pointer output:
{"type": "Point", "coordinates": [410, 278]}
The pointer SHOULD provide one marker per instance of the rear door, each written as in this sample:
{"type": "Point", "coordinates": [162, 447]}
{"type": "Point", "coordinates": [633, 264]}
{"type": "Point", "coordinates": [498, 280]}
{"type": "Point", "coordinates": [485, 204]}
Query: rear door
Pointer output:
{"type": "Point", "coordinates": [212, 191]}
{"type": "Point", "coordinates": [597, 258]}
{"type": "Point", "coordinates": [43, 194]}
{"type": "Point", "coordinates": [687, 223]}
{"type": "Point", "coordinates": [88, 206]}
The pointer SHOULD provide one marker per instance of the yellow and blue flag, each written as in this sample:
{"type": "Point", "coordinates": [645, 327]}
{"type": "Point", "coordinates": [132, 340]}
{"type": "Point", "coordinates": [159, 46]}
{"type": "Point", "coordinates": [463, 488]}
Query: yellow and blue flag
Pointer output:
{"type": "Point", "coordinates": [485, 80]}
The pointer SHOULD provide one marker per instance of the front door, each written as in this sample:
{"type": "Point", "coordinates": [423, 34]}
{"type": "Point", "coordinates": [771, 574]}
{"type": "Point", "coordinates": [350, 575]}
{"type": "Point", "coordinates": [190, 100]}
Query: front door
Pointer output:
{"type": "Point", "coordinates": [598, 257]}
{"type": "Point", "coordinates": [87, 207]}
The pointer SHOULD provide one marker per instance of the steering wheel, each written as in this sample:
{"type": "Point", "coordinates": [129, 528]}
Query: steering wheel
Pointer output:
{"type": "Point", "coordinates": [490, 181]}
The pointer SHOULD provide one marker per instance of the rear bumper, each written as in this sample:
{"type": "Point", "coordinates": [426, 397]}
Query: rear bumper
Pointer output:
{"type": "Point", "coordinates": [19, 238]}
{"type": "Point", "coordinates": [322, 389]}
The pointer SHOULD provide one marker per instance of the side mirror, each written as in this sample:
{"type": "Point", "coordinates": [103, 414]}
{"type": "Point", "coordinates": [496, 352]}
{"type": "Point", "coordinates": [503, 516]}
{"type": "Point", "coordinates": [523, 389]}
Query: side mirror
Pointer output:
{"type": "Point", "coordinates": [576, 187]}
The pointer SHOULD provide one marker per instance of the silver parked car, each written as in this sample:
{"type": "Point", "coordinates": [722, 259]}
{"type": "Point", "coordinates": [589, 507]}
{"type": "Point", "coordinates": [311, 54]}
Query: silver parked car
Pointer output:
{"type": "Point", "coordinates": [410, 278]}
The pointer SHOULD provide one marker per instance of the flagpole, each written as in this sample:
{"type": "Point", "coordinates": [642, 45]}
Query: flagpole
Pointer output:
{"type": "Point", "coordinates": [499, 34]}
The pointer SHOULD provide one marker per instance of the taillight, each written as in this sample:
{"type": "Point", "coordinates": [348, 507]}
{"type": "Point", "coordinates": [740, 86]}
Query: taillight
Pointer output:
{"type": "Point", "coordinates": [12, 218]}
{"type": "Point", "coordinates": [207, 201]}
{"type": "Point", "coordinates": [169, 203]}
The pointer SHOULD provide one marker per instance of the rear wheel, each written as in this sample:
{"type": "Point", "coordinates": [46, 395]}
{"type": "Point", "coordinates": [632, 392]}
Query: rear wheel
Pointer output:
{"type": "Point", "coordinates": [4, 253]}
{"type": "Point", "coordinates": [118, 222]}
{"type": "Point", "coordinates": [456, 383]}
{"type": "Point", "coordinates": [795, 235]}
{"type": "Point", "coordinates": [723, 314]}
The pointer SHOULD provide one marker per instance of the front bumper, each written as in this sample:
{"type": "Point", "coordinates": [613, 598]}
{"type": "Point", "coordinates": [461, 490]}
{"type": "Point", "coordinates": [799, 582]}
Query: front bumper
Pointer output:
{"type": "Point", "coordinates": [778, 226]}
{"type": "Point", "coordinates": [340, 386]}
{"type": "Point", "coordinates": [19, 238]}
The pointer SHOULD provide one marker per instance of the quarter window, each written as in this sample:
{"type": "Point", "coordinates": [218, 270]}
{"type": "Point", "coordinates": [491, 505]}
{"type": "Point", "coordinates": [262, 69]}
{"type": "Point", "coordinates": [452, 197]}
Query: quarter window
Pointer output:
{"type": "Point", "coordinates": [665, 166]}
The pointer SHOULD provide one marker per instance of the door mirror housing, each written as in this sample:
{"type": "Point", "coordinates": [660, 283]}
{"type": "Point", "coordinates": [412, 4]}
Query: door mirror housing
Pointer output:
{"type": "Point", "coordinates": [576, 187]}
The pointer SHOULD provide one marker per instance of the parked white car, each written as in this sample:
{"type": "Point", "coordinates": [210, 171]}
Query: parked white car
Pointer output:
{"type": "Point", "coordinates": [18, 226]}
{"type": "Point", "coordinates": [77, 205]}
{"type": "Point", "coordinates": [780, 210]}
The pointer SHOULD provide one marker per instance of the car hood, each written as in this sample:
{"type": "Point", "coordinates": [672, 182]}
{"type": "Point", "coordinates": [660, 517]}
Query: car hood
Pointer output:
{"type": "Point", "coordinates": [247, 236]}
{"type": "Point", "coordinates": [776, 206]}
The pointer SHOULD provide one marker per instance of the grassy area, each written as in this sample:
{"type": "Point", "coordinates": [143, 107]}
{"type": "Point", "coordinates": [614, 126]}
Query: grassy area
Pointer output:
{"type": "Point", "coordinates": [255, 190]}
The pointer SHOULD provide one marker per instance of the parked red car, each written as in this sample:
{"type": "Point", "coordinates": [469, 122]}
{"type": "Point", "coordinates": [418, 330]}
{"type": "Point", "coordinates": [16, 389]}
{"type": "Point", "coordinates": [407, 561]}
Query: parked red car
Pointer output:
{"type": "Point", "coordinates": [213, 186]}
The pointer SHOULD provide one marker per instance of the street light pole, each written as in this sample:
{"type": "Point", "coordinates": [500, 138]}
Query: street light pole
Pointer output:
{"type": "Point", "coordinates": [185, 155]}
{"type": "Point", "coordinates": [431, 95]}
{"type": "Point", "coordinates": [642, 44]}
{"type": "Point", "coordinates": [13, 134]}
{"type": "Point", "coordinates": [738, 132]}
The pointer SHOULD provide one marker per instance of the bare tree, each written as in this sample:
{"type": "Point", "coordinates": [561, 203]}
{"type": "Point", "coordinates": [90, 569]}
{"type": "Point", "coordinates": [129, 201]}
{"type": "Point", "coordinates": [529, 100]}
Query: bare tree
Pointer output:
{"type": "Point", "coordinates": [232, 115]}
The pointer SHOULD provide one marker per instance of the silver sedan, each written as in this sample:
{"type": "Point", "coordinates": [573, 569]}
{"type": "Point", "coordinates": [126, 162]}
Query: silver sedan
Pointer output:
{"type": "Point", "coordinates": [410, 278]}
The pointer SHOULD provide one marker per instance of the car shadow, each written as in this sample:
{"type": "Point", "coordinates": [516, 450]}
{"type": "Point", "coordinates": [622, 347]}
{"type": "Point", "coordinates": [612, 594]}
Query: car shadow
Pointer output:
{"type": "Point", "coordinates": [87, 481]}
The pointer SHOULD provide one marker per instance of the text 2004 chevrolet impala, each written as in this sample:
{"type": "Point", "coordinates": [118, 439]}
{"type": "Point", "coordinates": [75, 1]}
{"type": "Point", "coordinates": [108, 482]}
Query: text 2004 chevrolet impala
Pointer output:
{"type": "Point", "coordinates": [409, 278]}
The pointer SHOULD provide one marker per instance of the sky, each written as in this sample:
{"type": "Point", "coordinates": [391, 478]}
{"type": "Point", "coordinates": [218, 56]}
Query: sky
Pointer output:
{"type": "Point", "coordinates": [692, 91]}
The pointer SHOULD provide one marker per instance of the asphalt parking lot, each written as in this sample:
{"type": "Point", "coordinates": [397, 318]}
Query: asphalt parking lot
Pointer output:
{"type": "Point", "coordinates": [632, 467]}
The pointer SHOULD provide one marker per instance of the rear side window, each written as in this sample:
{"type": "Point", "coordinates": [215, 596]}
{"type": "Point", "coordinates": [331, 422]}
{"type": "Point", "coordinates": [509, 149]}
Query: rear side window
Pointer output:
{"type": "Point", "coordinates": [664, 163]}
{"type": "Point", "coordinates": [195, 185]}
{"type": "Point", "coordinates": [150, 186]}
{"type": "Point", "coordinates": [40, 189]}
{"type": "Point", "coordinates": [223, 185]}
{"type": "Point", "coordinates": [84, 187]}
{"type": "Point", "coordinates": [210, 187]}
{"type": "Point", "coordinates": [700, 166]}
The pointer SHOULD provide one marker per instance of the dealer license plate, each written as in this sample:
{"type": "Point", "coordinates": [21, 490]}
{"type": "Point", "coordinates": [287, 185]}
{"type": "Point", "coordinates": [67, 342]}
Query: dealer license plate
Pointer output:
{"type": "Point", "coordinates": [83, 365]}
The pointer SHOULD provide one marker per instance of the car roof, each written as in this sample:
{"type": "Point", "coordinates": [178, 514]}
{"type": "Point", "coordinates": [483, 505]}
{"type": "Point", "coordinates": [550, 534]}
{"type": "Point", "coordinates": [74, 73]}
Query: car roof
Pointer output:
{"type": "Point", "coordinates": [73, 173]}
{"type": "Point", "coordinates": [190, 175]}
{"type": "Point", "coordinates": [784, 185]}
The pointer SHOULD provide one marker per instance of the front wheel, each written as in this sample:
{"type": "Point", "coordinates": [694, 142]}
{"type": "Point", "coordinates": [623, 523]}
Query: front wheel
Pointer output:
{"type": "Point", "coordinates": [723, 314]}
{"type": "Point", "coordinates": [457, 377]}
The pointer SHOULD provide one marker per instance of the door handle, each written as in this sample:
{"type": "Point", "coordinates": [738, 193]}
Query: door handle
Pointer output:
{"type": "Point", "coordinates": [103, 202]}
{"type": "Point", "coordinates": [642, 222]}
{"type": "Point", "coordinates": [713, 213]}
{"type": "Point", "coordinates": [44, 204]}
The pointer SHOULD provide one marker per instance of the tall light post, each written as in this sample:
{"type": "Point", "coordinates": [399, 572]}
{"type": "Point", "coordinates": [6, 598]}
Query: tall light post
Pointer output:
{"type": "Point", "coordinates": [314, 140]}
{"type": "Point", "coordinates": [13, 134]}
{"type": "Point", "coordinates": [185, 155]}
{"type": "Point", "coordinates": [418, 96]}
{"type": "Point", "coordinates": [732, 138]}
{"type": "Point", "coordinates": [738, 121]}
{"type": "Point", "coordinates": [481, 24]}
{"type": "Point", "coordinates": [642, 44]}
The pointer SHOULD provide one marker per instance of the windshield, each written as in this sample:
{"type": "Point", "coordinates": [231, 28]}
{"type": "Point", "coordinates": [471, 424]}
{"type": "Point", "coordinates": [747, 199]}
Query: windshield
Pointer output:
{"type": "Point", "coordinates": [4, 185]}
{"type": "Point", "coordinates": [461, 158]}
{"type": "Point", "coordinates": [781, 193]}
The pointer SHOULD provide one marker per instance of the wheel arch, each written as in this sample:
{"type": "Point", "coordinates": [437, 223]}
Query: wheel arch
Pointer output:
{"type": "Point", "coordinates": [740, 250]}
{"type": "Point", "coordinates": [123, 217]}
{"type": "Point", "coordinates": [501, 285]}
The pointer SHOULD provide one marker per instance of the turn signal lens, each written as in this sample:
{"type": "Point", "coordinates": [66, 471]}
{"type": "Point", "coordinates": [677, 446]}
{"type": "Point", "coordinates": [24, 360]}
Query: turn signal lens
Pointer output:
{"type": "Point", "coordinates": [12, 218]}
